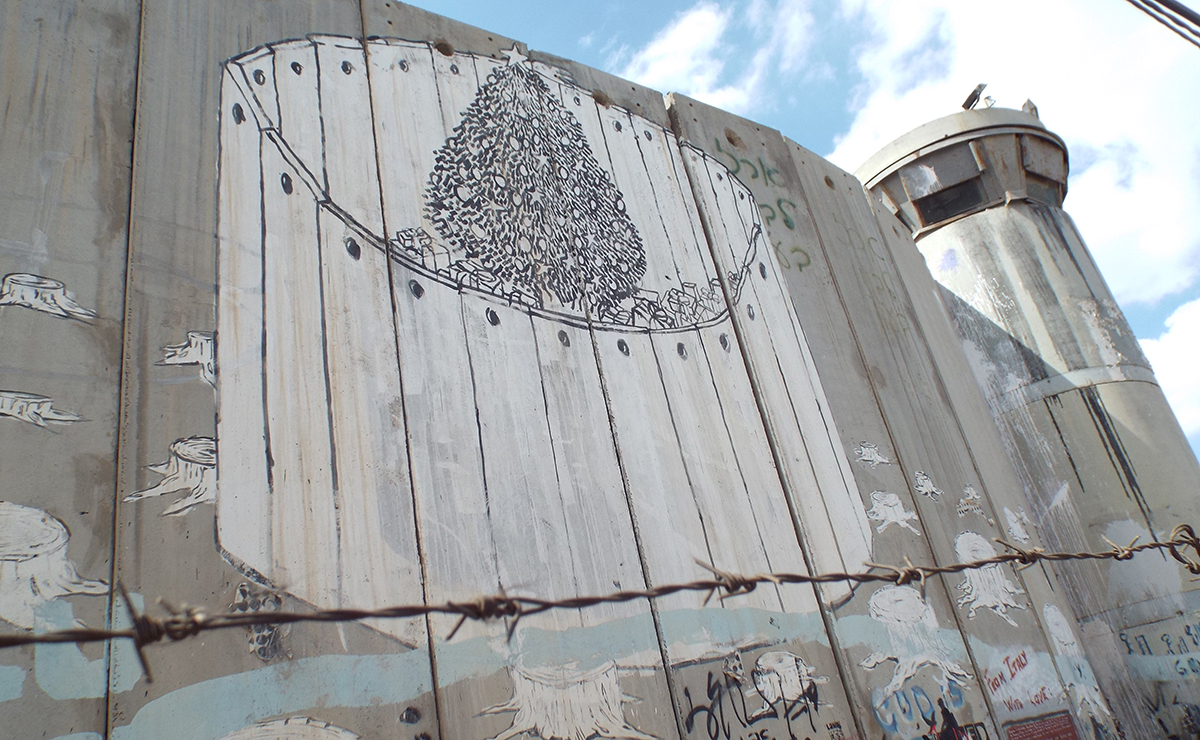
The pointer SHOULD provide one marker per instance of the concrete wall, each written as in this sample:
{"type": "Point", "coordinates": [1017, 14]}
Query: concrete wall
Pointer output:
{"type": "Point", "coordinates": [1098, 452]}
{"type": "Point", "coordinates": [319, 305]}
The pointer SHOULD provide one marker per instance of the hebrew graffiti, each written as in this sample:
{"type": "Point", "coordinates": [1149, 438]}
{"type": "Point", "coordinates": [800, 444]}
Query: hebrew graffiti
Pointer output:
{"type": "Point", "coordinates": [41, 294]}
{"type": "Point", "coordinates": [192, 467]}
{"type": "Point", "coordinates": [869, 454]}
{"type": "Point", "coordinates": [34, 568]}
{"type": "Point", "coordinates": [912, 630]}
{"type": "Point", "coordinates": [923, 485]}
{"type": "Point", "coordinates": [197, 350]}
{"type": "Point", "coordinates": [888, 509]}
{"type": "Point", "coordinates": [987, 587]}
{"type": "Point", "coordinates": [565, 704]}
{"type": "Point", "coordinates": [34, 409]}
{"type": "Point", "coordinates": [292, 728]}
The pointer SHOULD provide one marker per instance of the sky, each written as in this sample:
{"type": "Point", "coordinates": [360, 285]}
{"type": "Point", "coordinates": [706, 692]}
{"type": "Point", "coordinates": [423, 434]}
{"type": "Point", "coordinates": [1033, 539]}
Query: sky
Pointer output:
{"type": "Point", "coordinates": [845, 77]}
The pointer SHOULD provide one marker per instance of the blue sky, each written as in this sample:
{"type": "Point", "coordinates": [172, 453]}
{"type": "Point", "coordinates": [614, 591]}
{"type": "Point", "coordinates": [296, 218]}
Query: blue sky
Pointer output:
{"type": "Point", "coordinates": [844, 77]}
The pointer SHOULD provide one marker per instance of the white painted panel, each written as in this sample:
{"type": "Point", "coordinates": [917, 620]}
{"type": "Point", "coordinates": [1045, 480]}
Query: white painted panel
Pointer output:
{"type": "Point", "coordinates": [300, 105]}
{"type": "Point", "coordinates": [347, 130]}
{"type": "Point", "coordinates": [640, 200]}
{"type": "Point", "coordinates": [258, 81]}
{"type": "Point", "coordinates": [735, 538]}
{"type": "Point", "coordinates": [530, 527]}
{"type": "Point", "coordinates": [377, 535]}
{"type": "Point", "coordinates": [244, 512]}
{"type": "Point", "coordinates": [402, 82]}
{"type": "Point", "coordinates": [596, 514]}
{"type": "Point", "coordinates": [443, 433]}
{"type": "Point", "coordinates": [831, 513]}
{"type": "Point", "coordinates": [304, 519]}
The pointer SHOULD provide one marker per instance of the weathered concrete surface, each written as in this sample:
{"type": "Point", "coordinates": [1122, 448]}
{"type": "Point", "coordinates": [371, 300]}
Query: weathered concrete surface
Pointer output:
{"type": "Point", "coordinates": [1099, 454]}
{"type": "Point", "coordinates": [67, 96]}
{"type": "Point", "coordinates": [856, 313]}
{"type": "Point", "coordinates": [391, 426]}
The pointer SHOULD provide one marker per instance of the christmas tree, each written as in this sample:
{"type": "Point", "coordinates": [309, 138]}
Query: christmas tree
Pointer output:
{"type": "Point", "coordinates": [517, 193]}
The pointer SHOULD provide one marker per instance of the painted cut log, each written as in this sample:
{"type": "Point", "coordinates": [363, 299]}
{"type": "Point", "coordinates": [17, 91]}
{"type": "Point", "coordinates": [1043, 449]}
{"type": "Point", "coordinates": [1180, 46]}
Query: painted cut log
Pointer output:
{"type": "Point", "coordinates": [41, 294]}
{"type": "Point", "coordinates": [34, 568]}
{"type": "Point", "coordinates": [34, 409]}
{"type": "Point", "coordinates": [192, 467]}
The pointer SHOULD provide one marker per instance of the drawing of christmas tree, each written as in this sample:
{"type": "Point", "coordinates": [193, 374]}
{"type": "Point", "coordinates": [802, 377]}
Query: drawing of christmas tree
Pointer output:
{"type": "Point", "coordinates": [517, 194]}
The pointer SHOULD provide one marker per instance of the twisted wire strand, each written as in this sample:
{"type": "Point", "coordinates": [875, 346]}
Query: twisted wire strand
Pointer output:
{"type": "Point", "coordinates": [181, 623]}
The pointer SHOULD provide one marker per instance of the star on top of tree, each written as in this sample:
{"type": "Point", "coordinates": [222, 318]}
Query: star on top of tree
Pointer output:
{"type": "Point", "coordinates": [514, 55]}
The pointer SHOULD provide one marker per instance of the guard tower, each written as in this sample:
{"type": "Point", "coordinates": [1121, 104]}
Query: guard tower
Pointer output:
{"type": "Point", "coordinates": [1100, 454]}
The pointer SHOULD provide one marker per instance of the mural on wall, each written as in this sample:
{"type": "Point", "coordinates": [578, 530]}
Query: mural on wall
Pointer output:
{"type": "Point", "coordinates": [34, 568]}
{"type": "Point", "coordinates": [987, 587]}
{"type": "Point", "coordinates": [191, 466]}
{"type": "Point", "coordinates": [515, 207]}
{"type": "Point", "coordinates": [198, 350]}
{"type": "Point", "coordinates": [34, 409]}
{"type": "Point", "coordinates": [912, 630]}
{"type": "Point", "coordinates": [888, 509]}
{"type": "Point", "coordinates": [42, 294]}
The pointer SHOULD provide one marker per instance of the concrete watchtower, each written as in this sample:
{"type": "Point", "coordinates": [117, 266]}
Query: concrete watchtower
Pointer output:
{"type": "Point", "coordinates": [1100, 453]}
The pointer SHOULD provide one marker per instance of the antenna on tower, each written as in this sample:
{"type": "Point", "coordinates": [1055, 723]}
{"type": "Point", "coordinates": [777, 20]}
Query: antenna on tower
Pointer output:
{"type": "Point", "coordinates": [973, 98]}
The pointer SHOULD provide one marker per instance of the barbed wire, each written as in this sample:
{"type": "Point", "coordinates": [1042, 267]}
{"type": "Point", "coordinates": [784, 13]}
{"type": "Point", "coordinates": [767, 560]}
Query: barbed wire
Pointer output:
{"type": "Point", "coordinates": [183, 622]}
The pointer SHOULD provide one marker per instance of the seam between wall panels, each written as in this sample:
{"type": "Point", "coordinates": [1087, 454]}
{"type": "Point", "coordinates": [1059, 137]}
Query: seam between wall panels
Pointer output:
{"type": "Point", "coordinates": [422, 557]}
{"type": "Point", "coordinates": [122, 372]}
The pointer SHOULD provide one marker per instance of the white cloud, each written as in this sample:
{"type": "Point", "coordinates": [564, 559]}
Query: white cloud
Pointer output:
{"type": "Point", "coordinates": [1114, 84]}
{"type": "Point", "coordinates": [1176, 356]}
{"type": "Point", "coordinates": [689, 55]}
